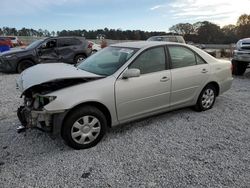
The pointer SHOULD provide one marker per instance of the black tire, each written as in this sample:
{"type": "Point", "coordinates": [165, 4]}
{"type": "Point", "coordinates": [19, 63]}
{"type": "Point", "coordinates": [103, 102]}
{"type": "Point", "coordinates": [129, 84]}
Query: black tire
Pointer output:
{"type": "Point", "coordinates": [79, 58]}
{"type": "Point", "coordinates": [22, 65]}
{"type": "Point", "coordinates": [239, 67]}
{"type": "Point", "coordinates": [94, 51]}
{"type": "Point", "coordinates": [75, 117]}
{"type": "Point", "coordinates": [200, 106]}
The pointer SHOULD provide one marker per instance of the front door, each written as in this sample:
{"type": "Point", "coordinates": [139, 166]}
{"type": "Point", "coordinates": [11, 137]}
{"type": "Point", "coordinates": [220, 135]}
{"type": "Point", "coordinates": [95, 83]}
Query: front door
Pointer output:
{"type": "Point", "coordinates": [47, 52]}
{"type": "Point", "coordinates": [148, 93]}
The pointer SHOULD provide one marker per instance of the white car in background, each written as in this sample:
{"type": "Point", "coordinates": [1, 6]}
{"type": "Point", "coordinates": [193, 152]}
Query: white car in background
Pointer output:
{"type": "Point", "coordinates": [119, 84]}
{"type": "Point", "coordinates": [95, 47]}
{"type": "Point", "coordinates": [14, 40]}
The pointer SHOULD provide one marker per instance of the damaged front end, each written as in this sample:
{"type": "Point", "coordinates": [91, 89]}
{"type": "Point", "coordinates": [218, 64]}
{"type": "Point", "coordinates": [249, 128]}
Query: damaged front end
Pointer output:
{"type": "Point", "coordinates": [32, 113]}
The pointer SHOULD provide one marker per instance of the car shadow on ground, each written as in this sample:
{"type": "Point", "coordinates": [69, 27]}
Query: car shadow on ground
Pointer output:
{"type": "Point", "coordinates": [246, 75]}
{"type": "Point", "coordinates": [166, 117]}
{"type": "Point", "coordinates": [37, 140]}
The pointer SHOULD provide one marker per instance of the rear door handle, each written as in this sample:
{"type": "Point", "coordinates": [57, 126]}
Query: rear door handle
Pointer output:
{"type": "Point", "coordinates": [204, 71]}
{"type": "Point", "coordinates": [164, 79]}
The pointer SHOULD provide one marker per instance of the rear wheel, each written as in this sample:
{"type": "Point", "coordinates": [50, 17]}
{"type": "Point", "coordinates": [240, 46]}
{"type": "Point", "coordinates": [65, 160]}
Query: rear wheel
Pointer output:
{"type": "Point", "coordinates": [24, 65]}
{"type": "Point", "coordinates": [239, 67]}
{"type": "Point", "coordinates": [79, 58]}
{"type": "Point", "coordinates": [206, 99]}
{"type": "Point", "coordinates": [84, 128]}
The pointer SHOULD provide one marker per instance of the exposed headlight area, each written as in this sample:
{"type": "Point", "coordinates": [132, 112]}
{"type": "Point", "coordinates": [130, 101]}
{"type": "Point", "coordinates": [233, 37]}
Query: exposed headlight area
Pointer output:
{"type": "Point", "coordinates": [32, 113]}
{"type": "Point", "coordinates": [38, 102]}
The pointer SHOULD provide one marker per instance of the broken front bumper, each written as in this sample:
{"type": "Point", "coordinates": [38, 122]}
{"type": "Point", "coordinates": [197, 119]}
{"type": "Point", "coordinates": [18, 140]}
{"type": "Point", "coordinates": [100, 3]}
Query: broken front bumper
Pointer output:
{"type": "Point", "coordinates": [43, 120]}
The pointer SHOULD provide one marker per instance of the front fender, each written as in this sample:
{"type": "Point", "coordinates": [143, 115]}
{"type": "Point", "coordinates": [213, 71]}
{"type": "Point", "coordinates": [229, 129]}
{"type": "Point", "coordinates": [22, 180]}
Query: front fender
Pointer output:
{"type": "Point", "coordinates": [101, 91]}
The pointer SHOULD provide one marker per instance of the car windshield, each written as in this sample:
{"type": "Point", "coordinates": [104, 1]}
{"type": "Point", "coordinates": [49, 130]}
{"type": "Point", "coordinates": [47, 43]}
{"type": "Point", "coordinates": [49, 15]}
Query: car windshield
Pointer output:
{"type": "Point", "coordinates": [107, 61]}
{"type": "Point", "coordinates": [34, 44]}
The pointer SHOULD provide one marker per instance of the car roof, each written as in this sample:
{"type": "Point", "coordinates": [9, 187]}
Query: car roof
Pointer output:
{"type": "Point", "coordinates": [59, 37]}
{"type": "Point", "coordinates": [167, 36]}
{"type": "Point", "coordinates": [143, 44]}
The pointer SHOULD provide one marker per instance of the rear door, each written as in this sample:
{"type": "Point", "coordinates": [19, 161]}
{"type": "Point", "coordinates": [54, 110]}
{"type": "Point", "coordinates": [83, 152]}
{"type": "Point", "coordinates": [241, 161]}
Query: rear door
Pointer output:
{"type": "Point", "coordinates": [148, 93]}
{"type": "Point", "coordinates": [189, 74]}
{"type": "Point", "coordinates": [67, 49]}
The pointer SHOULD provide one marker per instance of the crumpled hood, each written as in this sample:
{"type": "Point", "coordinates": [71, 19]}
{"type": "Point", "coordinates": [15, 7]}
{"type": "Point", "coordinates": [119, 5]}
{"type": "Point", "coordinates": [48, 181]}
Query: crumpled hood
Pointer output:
{"type": "Point", "coordinates": [43, 73]}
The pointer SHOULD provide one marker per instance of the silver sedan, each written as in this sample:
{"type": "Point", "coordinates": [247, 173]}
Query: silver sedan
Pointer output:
{"type": "Point", "coordinates": [116, 85]}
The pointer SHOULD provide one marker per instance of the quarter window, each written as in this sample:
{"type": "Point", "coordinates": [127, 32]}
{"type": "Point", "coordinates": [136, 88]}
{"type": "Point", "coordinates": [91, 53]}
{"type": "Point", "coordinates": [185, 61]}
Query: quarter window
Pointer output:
{"type": "Point", "coordinates": [181, 57]}
{"type": "Point", "coordinates": [152, 60]}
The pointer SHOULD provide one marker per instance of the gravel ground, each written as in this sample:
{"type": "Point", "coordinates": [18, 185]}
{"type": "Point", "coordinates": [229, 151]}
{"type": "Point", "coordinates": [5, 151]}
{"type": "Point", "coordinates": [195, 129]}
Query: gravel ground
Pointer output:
{"type": "Point", "coordinates": [177, 149]}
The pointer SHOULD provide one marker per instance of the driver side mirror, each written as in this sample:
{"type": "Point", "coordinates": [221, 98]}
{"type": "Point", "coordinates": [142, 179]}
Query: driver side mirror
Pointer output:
{"type": "Point", "coordinates": [130, 73]}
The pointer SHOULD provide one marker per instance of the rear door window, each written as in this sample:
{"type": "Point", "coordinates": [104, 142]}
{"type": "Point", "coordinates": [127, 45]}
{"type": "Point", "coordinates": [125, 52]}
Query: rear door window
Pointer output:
{"type": "Point", "coordinates": [181, 57]}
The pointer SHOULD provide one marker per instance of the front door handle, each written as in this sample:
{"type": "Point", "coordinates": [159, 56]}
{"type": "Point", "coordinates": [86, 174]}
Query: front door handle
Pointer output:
{"type": "Point", "coordinates": [164, 79]}
{"type": "Point", "coordinates": [204, 71]}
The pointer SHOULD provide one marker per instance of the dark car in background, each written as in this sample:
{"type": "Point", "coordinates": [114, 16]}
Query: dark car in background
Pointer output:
{"type": "Point", "coordinates": [241, 56]}
{"type": "Point", "coordinates": [70, 50]}
{"type": "Point", "coordinates": [168, 38]}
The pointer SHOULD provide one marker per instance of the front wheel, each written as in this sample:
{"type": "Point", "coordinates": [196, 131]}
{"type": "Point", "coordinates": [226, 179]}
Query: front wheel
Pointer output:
{"type": "Point", "coordinates": [84, 128]}
{"type": "Point", "coordinates": [206, 99]}
{"type": "Point", "coordinates": [24, 65]}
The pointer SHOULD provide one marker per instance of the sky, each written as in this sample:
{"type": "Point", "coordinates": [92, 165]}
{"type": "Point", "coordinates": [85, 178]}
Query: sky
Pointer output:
{"type": "Point", "coordinates": [147, 15]}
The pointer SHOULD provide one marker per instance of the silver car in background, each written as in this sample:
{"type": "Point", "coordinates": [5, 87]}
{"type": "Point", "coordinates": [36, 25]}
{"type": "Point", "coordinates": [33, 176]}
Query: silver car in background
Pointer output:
{"type": "Point", "coordinates": [168, 38]}
{"type": "Point", "coordinates": [119, 84]}
{"type": "Point", "coordinates": [241, 56]}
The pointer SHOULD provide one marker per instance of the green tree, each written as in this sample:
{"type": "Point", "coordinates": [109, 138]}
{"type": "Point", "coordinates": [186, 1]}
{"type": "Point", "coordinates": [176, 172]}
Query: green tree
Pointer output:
{"type": "Point", "coordinates": [230, 33]}
{"type": "Point", "coordinates": [182, 28]}
{"type": "Point", "coordinates": [243, 26]}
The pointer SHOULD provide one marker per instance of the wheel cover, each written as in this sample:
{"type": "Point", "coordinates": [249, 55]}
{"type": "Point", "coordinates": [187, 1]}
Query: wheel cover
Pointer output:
{"type": "Point", "coordinates": [85, 130]}
{"type": "Point", "coordinates": [207, 99]}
